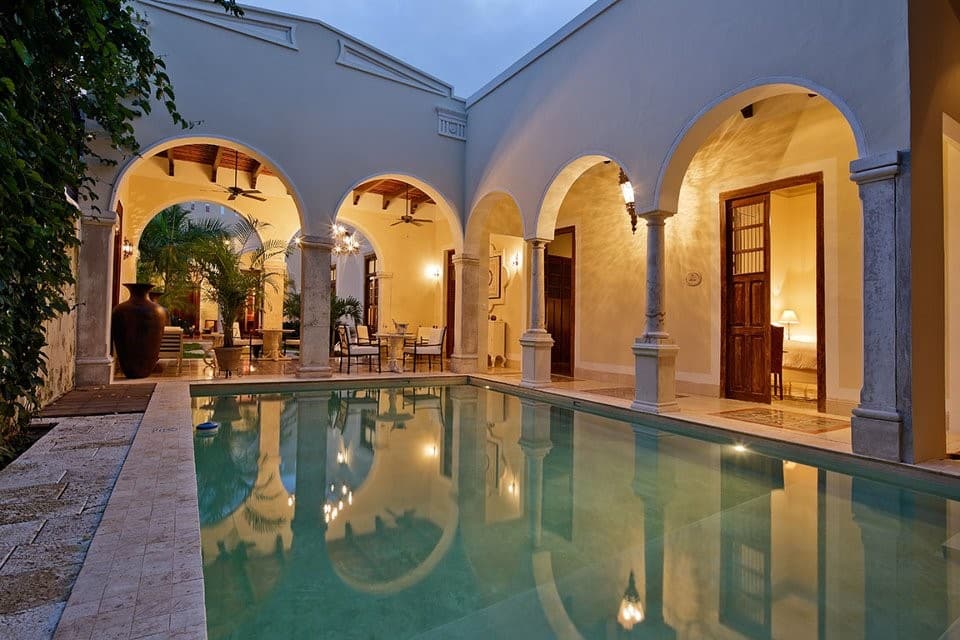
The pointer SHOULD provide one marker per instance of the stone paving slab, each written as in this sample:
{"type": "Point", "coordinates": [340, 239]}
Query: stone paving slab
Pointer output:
{"type": "Point", "coordinates": [143, 573]}
{"type": "Point", "coordinates": [51, 501]}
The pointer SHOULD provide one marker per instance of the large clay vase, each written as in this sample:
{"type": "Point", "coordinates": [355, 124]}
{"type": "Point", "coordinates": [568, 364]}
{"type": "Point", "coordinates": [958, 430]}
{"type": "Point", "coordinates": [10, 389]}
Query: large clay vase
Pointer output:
{"type": "Point", "coordinates": [137, 332]}
{"type": "Point", "coordinates": [155, 298]}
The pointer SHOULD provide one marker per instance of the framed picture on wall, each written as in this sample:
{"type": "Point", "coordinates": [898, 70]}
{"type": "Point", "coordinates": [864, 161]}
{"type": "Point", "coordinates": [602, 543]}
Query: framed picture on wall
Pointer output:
{"type": "Point", "coordinates": [494, 284]}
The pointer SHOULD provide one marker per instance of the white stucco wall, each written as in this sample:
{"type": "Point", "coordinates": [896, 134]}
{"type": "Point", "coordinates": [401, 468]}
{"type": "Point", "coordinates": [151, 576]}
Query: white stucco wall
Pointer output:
{"type": "Point", "coordinates": [628, 84]}
{"type": "Point", "coordinates": [324, 126]}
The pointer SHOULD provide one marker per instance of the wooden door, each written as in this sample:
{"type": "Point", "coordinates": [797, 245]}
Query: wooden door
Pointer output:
{"type": "Point", "coordinates": [371, 293]}
{"type": "Point", "coordinates": [747, 271]}
{"type": "Point", "coordinates": [451, 303]}
{"type": "Point", "coordinates": [559, 297]}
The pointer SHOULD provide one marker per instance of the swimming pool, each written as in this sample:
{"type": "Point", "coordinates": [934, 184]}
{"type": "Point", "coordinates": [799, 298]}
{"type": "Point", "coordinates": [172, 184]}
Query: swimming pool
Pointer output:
{"type": "Point", "coordinates": [463, 512]}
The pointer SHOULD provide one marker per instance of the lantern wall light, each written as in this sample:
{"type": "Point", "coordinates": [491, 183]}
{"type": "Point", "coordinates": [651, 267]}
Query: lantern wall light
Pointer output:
{"type": "Point", "coordinates": [629, 199]}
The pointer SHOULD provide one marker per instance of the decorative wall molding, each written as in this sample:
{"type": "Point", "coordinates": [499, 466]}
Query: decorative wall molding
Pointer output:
{"type": "Point", "coordinates": [362, 58]}
{"type": "Point", "coordinates": [268, 28]}
{"type": "Point", "coordinates": [452, 124]}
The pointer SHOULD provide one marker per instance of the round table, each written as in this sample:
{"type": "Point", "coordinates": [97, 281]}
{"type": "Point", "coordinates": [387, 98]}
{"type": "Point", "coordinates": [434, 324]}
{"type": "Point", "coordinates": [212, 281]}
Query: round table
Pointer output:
{"type": "Point", "coordinates": [395, 349]}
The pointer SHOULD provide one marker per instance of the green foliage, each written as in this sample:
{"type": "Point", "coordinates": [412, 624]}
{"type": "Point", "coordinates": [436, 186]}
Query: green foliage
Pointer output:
{"type": "Point", "coordinates": [348, 307]}
{"type": "Point", "coordinates": [236, 267]}
{"type": "Point", "coordinates": [291, 305]}
{"type": "Point", "coordinates": [67, 69]}
{"type": "Point", "coordinates": [168, 249]}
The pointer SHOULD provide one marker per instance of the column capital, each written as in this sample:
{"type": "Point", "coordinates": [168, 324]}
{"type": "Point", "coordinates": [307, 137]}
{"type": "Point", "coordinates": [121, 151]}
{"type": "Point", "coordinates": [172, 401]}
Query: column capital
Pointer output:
{"type": "Point", "coordinates": [316, 242]}
{"type": "Point", "coordinates": [656, 216]}
{"type": "Point", "coordinates": [100, 218]}
{"type": "Point", "coordinates": [466, 260]}
{"type": "Point", "coordinates": [881, 166]}
{"type": "Point", "coordinates": [537, 241]}
{"type": "Point", "coordinates": [383, 275]}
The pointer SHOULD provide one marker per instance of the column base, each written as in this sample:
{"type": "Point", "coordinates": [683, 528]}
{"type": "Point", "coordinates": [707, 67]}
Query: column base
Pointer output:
{"type": "Point", "coordinates": [876, 433]}
{"type": "Point", "coordinates": [460, 363]}
{"type": "Point", "coordinates": [656, 377]}
{"type": "Point", "coordinates": [535, 349]}
{"type": "Point", "coordinates": [314, 372]}
{"type": "Point", "coordinates": [93, 372]}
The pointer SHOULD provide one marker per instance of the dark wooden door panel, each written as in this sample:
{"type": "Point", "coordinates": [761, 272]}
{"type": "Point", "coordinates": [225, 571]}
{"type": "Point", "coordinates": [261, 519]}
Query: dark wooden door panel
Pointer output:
{"type": "Point", "coordinates": [747, 273]}
{"type": "Point", "coordinates": [559, 308]}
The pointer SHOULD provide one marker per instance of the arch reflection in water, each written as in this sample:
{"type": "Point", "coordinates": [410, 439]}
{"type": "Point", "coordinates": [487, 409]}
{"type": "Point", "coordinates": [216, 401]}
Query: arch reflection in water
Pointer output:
{"type": "Point", "coordinates": [455, 511]}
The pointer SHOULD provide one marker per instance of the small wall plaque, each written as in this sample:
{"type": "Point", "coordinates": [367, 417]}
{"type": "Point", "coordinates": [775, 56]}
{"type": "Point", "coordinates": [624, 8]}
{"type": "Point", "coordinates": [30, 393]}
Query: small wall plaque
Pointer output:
{"type": "Point", "coordinates": [693, 279]}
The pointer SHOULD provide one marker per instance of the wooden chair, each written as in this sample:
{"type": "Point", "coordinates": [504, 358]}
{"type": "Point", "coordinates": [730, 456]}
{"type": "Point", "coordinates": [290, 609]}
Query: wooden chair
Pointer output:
{"type": "Point", "coordinates": [171, 346]}
{"type": "Point", "coordinates": [776, 358]}
{"type": "Point", "coordinates": [351, 350]}
{"type": "Point", "coordinates": [429, 344]}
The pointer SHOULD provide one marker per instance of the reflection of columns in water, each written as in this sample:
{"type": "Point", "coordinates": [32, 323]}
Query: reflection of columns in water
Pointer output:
{"type": "Point", "coordinates": [653, 483]}
{"type": "Point", "coordinates": [469, 458]}
{"type": "Point", "coordinates": [313, 423]}
{"type": "Point", "coordinates": [902, 533]}
{"type": "Point", "coordinates": [535, 443]}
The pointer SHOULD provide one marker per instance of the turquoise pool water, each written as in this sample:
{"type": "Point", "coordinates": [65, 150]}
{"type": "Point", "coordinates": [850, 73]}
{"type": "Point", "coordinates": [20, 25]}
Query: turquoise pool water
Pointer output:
{"type": "Point", "coordinates": [460, 512]}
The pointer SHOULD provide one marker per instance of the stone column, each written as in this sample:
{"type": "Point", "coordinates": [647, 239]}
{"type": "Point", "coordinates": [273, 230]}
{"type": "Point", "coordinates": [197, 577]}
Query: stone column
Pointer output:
{"type": "Point", "coordinates": [536, 343]}
{"type": "Point", "coordinates": [656, 361]}
{"type": "Point", "coordinates": [467, 273]}
{"type": "Point", "coordinates": [878, 427]}
{"type": "Point", "coordinates": [94, 293]}
{"type": "Point", "coordinates": [536, 445]}
{"type": "Point", "coordinates": [315, 307]}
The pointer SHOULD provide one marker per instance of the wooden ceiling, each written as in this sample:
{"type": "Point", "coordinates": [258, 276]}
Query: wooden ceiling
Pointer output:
{"type": "Point", "coordinates": [216, 157]}
{"type": "Point", "coordinates": [389, 190]}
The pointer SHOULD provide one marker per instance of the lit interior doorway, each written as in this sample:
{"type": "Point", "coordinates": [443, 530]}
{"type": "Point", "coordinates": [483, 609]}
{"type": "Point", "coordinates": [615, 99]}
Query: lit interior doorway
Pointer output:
{"type": "Point", "coordinates": [772, 292]}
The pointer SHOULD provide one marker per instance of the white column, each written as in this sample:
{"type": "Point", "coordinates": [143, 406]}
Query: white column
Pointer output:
{"type": "Point", "coordinates": [384, 301]}
{"type": "Point", "coordinates": [94, 293]}
{"type": "Point", "coordinates": [466, 314]}
{"type": "Point", "coordinates": [656, 360]}
{"type": "Point", "coordinates": [878, 427]}
{"type": "Point", "coordinates": [315, 307]}
{"type": "Point", "coordinates": [536, 444]}
{"type": "Point", "coordinates": [536, 343]}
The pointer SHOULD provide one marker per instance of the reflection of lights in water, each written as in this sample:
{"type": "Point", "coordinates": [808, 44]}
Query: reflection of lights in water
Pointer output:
{"type": "Point", "coordinates": [343, 490]}
{"type": "Point", "coordinates": [512, 487]}
{"type": "Point", "coordinates": [290, 501]}
{"type": "Point", "coordinates": [631, 609]}
{"type": "Point", "coordinates": [430, 450]}
{"type": "Point", "coordinates": [326, 508]}
{"type": "Point", "coordinates": [340, 506]}
{"type": "Point", "coordinates": [340, 457]}
{"type": "Point", "coordinates": [350, 498]}
{"type": "Point", "coordinates": [333, 487]}
{"type": "Point", "coordinates": [739, 448]}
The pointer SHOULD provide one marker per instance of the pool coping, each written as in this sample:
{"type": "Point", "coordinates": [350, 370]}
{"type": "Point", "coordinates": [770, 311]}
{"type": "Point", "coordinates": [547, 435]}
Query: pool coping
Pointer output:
{"type": "Point", "coordinates": [143, 574]}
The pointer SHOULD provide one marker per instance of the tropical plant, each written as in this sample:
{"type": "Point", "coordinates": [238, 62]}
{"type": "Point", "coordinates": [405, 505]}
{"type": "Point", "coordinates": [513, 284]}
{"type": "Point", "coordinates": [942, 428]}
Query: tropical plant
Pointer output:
{"type": "Point", "coordinates": [236, 267]}
{"type": "Point", "coordinates": [291, 305]}
{"type": "Point", "coordinates": [73, 78]}
{"type": "Point", "coordinates": [348, 307]}
{"type": "Point", "coordinates": [168, 248]}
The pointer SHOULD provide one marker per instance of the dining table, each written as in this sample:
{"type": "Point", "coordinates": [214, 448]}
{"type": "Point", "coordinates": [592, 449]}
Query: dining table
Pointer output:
{"type": "Point", "coordinates": [395, 341]}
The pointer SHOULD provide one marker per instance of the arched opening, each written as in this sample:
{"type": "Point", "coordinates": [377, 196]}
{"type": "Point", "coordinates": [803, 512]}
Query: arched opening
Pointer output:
{"type": "Point", "coordinates": [771, 285]}
{"type": "Point", "coordinates": [495, 236]}
{"type": "Point", "coordinates": [593, 273]}
{"type": "Point", "coordinates": [411, 229]}
{"type": "Point", "coordinates": [207, 180]}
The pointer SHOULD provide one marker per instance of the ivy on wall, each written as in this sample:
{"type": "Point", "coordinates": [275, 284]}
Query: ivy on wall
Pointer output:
{"type": "Point", "coordinates": [67, 69]}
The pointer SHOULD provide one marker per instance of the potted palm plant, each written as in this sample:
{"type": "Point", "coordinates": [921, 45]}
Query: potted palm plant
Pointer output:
{"type": "Point", "coordinates": [233, 269]}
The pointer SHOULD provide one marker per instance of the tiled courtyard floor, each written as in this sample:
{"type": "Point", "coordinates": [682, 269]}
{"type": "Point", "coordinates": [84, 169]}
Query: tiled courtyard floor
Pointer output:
{"type": "Point", "coordinates": [51, 502]}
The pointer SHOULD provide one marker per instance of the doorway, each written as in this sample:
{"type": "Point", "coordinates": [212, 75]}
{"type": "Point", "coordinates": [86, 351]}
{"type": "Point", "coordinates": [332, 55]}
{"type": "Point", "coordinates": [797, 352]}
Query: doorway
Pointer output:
{"type": "Point", "coordinates": [451, 298]}
{"type": "Point", "coordinates": [560, 281]}
{"type": "Point", "coordinates": [772, 296]}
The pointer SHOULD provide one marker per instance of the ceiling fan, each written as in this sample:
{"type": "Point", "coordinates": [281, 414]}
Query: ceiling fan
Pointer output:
{"type": "Point", "coordinates": [407, 217]}
{"type": "Point", "coordinates": [235, 191]}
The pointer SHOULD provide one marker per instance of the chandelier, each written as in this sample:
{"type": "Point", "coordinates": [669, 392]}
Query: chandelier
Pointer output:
{"type": "Point", "coordinates": [345, 243]}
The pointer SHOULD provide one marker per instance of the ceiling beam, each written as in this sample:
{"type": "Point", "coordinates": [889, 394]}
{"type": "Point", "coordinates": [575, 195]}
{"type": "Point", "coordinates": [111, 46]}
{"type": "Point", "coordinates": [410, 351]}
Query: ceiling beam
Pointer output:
{"type": "Point", "coordinates": [258, 169]}
{"type": "Point", "coordinates": [364, 188]}
{"type": "Point", "coordinates": [170, 162]}
{"type": "Point", "coordinates": [217, 159]}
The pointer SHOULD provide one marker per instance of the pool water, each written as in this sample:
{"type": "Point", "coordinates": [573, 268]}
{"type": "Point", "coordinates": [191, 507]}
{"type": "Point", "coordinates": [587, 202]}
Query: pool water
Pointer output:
{"type": "Point", "coordinates": [460, 512]}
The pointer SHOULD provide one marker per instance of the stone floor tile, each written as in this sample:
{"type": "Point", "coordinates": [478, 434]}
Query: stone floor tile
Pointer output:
{"type": "Point", "coordinates": [36, 622]}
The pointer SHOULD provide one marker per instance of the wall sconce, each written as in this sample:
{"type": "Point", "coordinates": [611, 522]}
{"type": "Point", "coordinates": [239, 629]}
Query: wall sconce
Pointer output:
{"type": "Point", "coordinates": [126, 249]}
{"type": "Point", "coordinates": [788, 318]}
{"type": "Point", "coordinates": [631, 609]}
{"type": "Point", "coordinates": [629, 199]}
{"type": "Point", "coordinates": [515, 262]}
{"type": "Point", "coordinates": [434, 272]}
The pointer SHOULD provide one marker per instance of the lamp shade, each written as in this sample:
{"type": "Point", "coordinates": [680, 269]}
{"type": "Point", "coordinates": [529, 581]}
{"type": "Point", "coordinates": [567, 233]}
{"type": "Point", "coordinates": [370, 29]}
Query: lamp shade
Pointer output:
{"type": "Point", "coordinates": [788, 317]}
{"type": "Point", "coordinates": [629, 197]}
